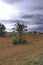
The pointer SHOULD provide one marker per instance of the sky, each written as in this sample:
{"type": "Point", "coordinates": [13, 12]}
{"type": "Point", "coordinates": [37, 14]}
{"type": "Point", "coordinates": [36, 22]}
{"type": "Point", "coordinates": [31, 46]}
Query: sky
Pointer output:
{"type": "Point", "coordinates": [28, 11]}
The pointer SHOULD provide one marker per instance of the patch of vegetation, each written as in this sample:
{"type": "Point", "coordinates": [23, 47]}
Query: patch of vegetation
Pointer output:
{"type": "Point", "coordinates": [20, 28]}
{"type": "Point", "coordinates": [38, 60]}
{"type": "Point", "coordinates": [2, 30]}
{"type": "Point", "coordinates": [19, 41]}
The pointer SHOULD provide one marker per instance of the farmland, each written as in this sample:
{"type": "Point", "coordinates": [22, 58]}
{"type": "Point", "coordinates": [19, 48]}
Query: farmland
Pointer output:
{"type": "Point", "coordinates": [19, 54]}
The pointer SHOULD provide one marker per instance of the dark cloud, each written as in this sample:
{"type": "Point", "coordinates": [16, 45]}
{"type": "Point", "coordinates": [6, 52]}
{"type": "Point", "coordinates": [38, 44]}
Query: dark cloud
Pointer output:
{"type": "Point", "coordinates": [27, 16]}
{"type": "Point", "coordinates": [31, 12]}
{"type": "Point", "coordinates": [38, 8]}
{"type": "Point", "coordinates": [34, 18]}
{"type": "Point", "coordinates": [39, 28]}
{"type": "Point", "coordinates": [10, 21]}
{"type": "Point", "coordinates": [34, 27]}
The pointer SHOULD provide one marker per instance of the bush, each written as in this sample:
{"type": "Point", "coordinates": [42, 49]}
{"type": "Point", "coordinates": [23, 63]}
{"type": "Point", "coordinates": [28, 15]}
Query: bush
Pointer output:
{"type": "Point", "coordinates": [38, 60]}
{"type": "Point", "coordinates": [22, 41]}
{"type": "Point", "coordinates": [14, 41]}
{"type": "Point", "coordinates": [2, 30]}
{"type": "Point", "coordinates": [19, 41]}
{"type": "Point", "coordinates": [20, 28]}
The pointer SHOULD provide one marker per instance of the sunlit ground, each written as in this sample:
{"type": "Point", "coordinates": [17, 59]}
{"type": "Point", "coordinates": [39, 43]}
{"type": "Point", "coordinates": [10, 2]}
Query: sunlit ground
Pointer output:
{"type": "Point", "coordinates": [19, 54]}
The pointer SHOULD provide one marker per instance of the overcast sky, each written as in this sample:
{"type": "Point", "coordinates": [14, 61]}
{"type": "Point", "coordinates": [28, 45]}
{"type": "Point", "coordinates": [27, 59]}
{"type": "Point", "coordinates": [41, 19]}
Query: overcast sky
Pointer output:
{"type": "Point", "coordinates": [30, 11]}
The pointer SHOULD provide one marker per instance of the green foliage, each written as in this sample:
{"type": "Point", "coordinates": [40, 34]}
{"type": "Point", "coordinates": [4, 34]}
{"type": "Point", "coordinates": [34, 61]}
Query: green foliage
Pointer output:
{"type": "Point", "coordinates": [22, 41]}
{"type": "Point", "coordinates": [34, 32]}
{"type": "Point", "coordinates": [19, 41]}
{"type": "Point", "coordinates": [20, 28]}
{"type": "Point", "coordinates": [15, 41]}
{"type": "Point", "coordinates": [2, 30]}
{"type": "Point", "coordinates": [38, 60]}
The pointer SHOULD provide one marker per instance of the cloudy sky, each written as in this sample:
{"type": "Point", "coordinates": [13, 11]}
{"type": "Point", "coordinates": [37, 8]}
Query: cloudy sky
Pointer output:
{"type": "Point", "coordinates": [28, 11]}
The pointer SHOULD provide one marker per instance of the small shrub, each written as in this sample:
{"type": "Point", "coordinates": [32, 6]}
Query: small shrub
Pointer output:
{"type": "Point", "coordinates": [2, 30]}
{"type": "Point", "coordinates": [19, 41]}
{"type": "Point", "coordinates": [14, 41]}
{"type": "Point", "coordinates": [20, 28]}
{"type": "Point", "coordinates": [22, 41]}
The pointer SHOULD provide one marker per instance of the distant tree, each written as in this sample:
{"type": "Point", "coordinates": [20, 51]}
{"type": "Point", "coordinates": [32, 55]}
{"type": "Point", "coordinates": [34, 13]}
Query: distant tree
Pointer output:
{"type": "Point", "coordinates": [21, 28]}
{"type": "Point", "coordinates": [13, 31]}
{"type": "Point", "coordinates": [2, 30]}
{"type": "Point", "coordinates": [34, 32]}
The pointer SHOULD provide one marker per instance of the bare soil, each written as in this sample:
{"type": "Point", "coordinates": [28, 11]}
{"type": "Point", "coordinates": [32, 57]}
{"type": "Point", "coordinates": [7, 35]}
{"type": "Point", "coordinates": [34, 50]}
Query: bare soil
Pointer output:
{"type": "Point", "coordinates": [19, 54]}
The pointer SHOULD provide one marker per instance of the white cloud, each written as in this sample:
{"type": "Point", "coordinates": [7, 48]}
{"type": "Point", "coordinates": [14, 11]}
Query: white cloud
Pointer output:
{"type": "Point", "coordinates": [32, 26]}
{"type": "Point", "coordinates": [6, 11]}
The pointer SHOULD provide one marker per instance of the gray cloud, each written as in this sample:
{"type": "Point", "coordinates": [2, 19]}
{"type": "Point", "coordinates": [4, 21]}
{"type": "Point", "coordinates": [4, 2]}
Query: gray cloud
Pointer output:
{"type": "Point", "coordinates": [31, 27]}
{"type": "Point", "coordinates": [27, 16]}
{"type": "Point", "coordinates": [31, 12]}
{"type": "Point", "coordinates": [35, 18]}
{"type": "Point", "coordinates": [11, 1]}
{"type": "Point", "coordinates": [39, 28]}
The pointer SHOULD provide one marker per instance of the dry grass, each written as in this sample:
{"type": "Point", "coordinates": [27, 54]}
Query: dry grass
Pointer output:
{"type": "Point", "coordinates": [19, 54]}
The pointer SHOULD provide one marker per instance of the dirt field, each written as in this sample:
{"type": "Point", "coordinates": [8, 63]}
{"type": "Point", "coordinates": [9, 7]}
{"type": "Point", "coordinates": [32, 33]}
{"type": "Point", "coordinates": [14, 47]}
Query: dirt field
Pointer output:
{"type": "Point", "coordinates": [19, 54]}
